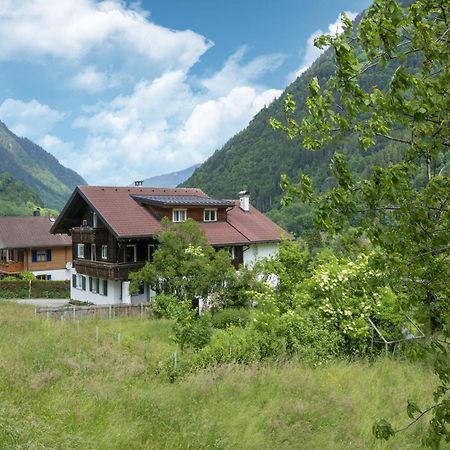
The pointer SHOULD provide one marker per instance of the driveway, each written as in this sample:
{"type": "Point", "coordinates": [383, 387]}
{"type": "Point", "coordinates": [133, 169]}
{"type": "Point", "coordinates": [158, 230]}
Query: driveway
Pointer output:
{"type": "Point", "coordinates": [43, 302]}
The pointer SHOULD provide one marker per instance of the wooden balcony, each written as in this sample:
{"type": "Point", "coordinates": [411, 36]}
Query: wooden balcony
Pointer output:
{"type": "Point", "coordinates": [88, 235]}
{"type": "Point", "coordinates": [11, 267]}
{"type": "Point", "coordinates": [111, 271]}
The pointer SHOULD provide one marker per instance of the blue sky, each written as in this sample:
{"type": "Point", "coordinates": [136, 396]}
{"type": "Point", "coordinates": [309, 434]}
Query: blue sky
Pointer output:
{"type": "Point", "coordinates": [126, 90]}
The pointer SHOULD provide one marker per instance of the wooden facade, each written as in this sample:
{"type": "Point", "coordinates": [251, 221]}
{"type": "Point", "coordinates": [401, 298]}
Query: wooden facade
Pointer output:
{"type": "Point", "coordinates": [124, 255]}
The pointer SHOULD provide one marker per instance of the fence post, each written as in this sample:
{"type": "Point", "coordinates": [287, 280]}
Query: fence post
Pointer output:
{"type": "Point", "coordinates": [74, 312]}
{"type": "Point", "coordinates": [47, 315]}
{"type": "Point", "coordinates": [175, 359]}
{"type": "Point", "coordinates": [110, 311]}
{"type": "Point", "coordinates": [142, 310]}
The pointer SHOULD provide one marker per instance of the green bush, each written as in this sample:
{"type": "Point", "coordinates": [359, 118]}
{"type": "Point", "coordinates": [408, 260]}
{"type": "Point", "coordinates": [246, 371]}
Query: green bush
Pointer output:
{"type": "Point", "coordinates": [229, 316]}
{"type": "Point", "coordinates": [39, 289]}
{"type": "Point", "coordinates": [162, 305]}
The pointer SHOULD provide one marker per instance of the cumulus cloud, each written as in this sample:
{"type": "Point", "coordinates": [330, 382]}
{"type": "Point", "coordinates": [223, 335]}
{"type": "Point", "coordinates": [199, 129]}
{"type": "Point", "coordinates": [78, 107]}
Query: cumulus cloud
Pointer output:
{"type": "Point", "coordinates": [29, 119]}
{"type": "Point", "coordinates": [72, 29]}
{"type": "Point", "coordinates": [311, 52]}
{"type": "Point", "coordinates": [163, 125]}
{"type": "Point", "coordinates": [165, 119]}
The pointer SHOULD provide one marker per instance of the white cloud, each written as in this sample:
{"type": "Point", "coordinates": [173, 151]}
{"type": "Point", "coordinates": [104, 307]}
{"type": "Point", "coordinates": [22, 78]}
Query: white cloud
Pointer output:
{"type": "Point", "coordinates": [29, 119]}
{"type": "Point", "coordinates": [311, 52]}
{"type": "Point", "coordinates": [164, 125]}
{"type": "Point", "coordinates": [165, 119]}
{"type": "Point", "coordinates": [235, 72]}
{"type": "Point", "coordinates": [91, 80]}
{"type": "Point", "coordinates": [73, 29]}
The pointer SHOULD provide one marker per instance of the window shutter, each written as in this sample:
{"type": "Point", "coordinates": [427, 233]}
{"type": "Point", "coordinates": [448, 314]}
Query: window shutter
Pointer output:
{"type": "Point", "coordinates": [90, 284]}
{"type": "Point", "coordinates": [33, 255]}
{"type": "Point", "coordinates": [105, 287]}
{"type": "Point", "coordinates": [83, 283]}
{"type": "Point", "coordinates": [49, 254]}
{"type": "Point", "coordinates": [74, 281]}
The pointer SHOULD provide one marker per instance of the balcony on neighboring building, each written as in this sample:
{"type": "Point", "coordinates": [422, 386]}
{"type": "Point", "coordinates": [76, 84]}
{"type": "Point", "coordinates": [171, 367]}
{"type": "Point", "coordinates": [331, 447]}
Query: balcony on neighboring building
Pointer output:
{"type": "Point", "coordinates": [88, 235]}
{"type": "Point", "coordinates": [106, 270]}
{"type": "Point", "coordinates": [11, 267]}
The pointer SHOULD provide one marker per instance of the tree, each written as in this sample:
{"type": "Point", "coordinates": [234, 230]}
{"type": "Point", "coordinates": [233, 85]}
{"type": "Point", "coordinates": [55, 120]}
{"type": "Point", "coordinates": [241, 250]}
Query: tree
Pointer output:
{"type": "Point", "coordinates": [184, 265]}
{"type": "Point", "coordinates": [401, 207]}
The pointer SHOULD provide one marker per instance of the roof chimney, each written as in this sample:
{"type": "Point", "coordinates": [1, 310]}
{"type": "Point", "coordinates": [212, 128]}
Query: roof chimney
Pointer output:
{"type": "Point", "coordinates": [139, 182]}
{"type": "Point", "coordinates": [37, 212]}
{"type": "Point", "coordinates": [244, 200]}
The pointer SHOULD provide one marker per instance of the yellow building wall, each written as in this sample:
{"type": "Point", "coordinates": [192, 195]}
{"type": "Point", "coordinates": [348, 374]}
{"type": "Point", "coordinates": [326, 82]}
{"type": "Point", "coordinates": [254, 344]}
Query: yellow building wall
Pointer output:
{"type": "Point", "coordinates": [60, 257]}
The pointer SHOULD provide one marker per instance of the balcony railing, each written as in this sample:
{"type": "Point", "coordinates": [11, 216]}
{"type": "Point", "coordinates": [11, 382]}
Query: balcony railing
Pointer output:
{"type": "Point", "coordinates": [11, 266]}
{"type": "Point", "coordinates": [100, 269]}
{"type": "Point", "coordinates": [88, 235]}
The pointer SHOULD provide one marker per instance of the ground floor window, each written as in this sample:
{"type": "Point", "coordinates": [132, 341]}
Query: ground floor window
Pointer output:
{"type": "Point", "coordinates": [79, 281]}
{"type": "Point", "coordinates": [46, 277]}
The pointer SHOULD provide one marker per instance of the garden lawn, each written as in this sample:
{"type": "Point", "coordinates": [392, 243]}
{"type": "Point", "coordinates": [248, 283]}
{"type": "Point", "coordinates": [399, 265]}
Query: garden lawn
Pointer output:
{"type": "Point", "coordinates": [63, 390]}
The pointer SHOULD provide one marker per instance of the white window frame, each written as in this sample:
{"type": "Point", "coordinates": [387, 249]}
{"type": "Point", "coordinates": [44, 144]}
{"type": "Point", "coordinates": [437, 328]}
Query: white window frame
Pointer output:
{"type": "Point", "coordinates": [176, 215]}
{"type": "Point", "coordinates": [80, 251]}
{"type": "Point", "coordinates": [210, 210]}
{"type": "Point", "coordinates": [95, 285]}
{"type": "Point", "coordinates": [134, 253]}
{"type": "Point", "coordinates": [104, 252]}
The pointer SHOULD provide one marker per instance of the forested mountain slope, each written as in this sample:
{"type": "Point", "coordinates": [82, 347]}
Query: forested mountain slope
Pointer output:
{"type": "Point", "coordinates": [38, 169]}
{"type": "Point", "coordinates": [255, 158]}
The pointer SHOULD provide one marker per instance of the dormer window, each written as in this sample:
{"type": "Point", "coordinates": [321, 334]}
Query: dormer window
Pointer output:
{"type": "Point", "coordinates": [179, 215]}
{"type": "Point", "coordinates": [210, 215]}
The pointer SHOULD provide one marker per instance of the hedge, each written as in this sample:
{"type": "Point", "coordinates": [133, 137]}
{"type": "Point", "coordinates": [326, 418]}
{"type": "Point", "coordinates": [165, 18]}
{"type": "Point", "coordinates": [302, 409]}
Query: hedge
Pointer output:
{"type": "Point", "coordinates": [39, 289]}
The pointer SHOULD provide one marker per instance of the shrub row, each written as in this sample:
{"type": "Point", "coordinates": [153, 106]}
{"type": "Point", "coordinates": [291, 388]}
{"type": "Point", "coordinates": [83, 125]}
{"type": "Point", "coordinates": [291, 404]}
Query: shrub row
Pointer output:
{"type": "Point", "coordinates": [39, 289]}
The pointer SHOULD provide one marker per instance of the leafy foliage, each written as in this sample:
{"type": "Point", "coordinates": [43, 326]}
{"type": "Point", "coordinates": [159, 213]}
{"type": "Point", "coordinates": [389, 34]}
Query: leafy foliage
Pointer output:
{"type": "Point", "coordinates": [402, 207]}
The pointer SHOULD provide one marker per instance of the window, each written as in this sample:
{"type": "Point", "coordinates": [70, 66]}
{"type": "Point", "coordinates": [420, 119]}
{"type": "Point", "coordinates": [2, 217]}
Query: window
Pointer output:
{"type": "Point", "coordinates": [130, 253]}
{"type": "Point", "coordinates": [45, 277]}
{"type": "Point", "coordinates": [210, 215]}
{"type": "Point", "coordinates": [179, 215]}
{"type": "Point", "coordinates": [150, 251]}
{"type": "Point", "coordinates": [41, 255]}
{"type": "Point", "coordinates": [104, 252]}
{"type": "Point", "coordinates": [80, 250]}
{"type": "Point", "coordinates": [93, 284]}
{"type": "Point", "coordinates": [104, 287]}
{"type": "Point", "coordinates": [79, 281]}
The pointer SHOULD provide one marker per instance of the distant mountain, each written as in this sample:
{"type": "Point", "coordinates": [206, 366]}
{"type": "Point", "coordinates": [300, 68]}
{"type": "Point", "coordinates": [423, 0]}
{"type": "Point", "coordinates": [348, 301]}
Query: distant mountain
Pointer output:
{"type": "Point", "coordinates": [36, 168]}
{"type": "Point", "coordinates": [172, 179]}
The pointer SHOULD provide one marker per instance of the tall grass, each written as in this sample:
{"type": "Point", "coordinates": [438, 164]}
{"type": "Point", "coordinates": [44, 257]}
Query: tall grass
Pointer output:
{"type": "Point", "coordinates": [63, 390]}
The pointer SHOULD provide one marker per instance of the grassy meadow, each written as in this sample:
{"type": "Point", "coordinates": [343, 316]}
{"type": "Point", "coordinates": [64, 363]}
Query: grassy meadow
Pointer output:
{"type": "Point", "coordinates": [63, 390]}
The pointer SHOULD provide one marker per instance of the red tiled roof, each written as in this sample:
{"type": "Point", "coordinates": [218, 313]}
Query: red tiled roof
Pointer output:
{"type": "Point", "coordinates": [123, 214]}
{"type": "Point", "coordinates": [254, 225]}
{"type": "Point", "coordinates": [30, 232]}
{"type": "Point", "coordinates": [127, 218]}
{"type": "Point", "coordinates": [222, 233]}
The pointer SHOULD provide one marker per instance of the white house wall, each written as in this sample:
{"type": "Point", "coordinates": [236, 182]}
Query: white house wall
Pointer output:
{"type": "Point", "coordinates": [56, 274]}
{"type": "Point", "coordinates": [260, 251]}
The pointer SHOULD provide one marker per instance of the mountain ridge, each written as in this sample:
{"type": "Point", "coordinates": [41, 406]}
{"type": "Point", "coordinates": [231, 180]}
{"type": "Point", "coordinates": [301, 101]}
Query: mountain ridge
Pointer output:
{"type": "Point", "coordinates": [30, 164]}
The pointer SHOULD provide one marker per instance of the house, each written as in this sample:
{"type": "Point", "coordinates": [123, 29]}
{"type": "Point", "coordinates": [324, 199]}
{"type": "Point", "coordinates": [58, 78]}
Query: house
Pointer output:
{"type": "Point", "coordinates": [26, 244]}
{"type": "Point", "coordinates": [114, 232]}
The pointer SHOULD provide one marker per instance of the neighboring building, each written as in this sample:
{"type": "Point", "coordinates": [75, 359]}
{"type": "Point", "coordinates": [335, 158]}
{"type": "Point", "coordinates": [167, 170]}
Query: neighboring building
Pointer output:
{"type": "Point", "coordinates": [114, 232]}
{"type": "Point", "coordinates": [26, 244]}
